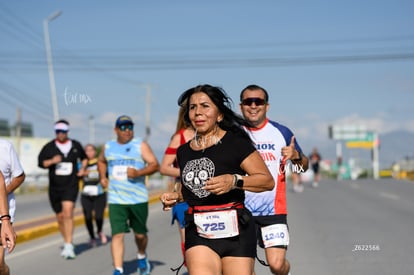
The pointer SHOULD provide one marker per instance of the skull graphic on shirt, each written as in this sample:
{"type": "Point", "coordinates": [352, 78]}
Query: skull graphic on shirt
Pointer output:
{"type": "Point", "coordinates": [195, 173]}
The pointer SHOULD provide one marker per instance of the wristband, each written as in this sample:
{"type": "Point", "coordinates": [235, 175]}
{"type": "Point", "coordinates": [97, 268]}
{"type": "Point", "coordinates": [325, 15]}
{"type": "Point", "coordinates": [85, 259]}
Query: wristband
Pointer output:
{"type": "Point", "coordinates": [5, 216]}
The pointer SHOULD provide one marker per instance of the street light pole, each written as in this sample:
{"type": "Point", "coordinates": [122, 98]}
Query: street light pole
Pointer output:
{"type": "Point", "coordinates": [50, 64]}
{"type": "Point", "coordinates": [91, 130]}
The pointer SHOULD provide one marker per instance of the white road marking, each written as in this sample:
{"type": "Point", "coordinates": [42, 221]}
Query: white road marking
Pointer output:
{"type": "Point", "coordinates": [389, 195]}
{"type": "Point", "coordinates": [15, 254]}
{"type": "Point", "coordinates": [355, 185]}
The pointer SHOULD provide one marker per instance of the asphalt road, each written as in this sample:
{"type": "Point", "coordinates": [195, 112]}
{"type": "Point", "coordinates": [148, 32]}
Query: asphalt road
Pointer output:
{"type": "Point", "coordinates": [341, 227]}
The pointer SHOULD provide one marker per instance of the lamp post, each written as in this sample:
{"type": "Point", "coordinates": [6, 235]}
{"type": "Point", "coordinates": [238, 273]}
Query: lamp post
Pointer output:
{"type": "Point", "coordinates": [91, 130]}
{"type": "Point", "coordinates": [49, 62]}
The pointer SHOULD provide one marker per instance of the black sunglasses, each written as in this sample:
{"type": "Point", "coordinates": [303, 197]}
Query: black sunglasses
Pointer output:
{"type": "Point", "coordinates": [124, 127]}
{"type": "Point", "coordinates": [61, 131]}
{"type": "Point", "coordinates": [249, 101]}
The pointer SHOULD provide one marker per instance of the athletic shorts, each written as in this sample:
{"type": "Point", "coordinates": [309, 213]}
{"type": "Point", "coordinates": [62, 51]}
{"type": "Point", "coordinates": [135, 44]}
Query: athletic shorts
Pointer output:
{"type": "Point", "coordinates": [122, 217]}
{"type": "Point", "coordinates": [56, 196]}
{"type": "Point", "coordinates": [315, 168]}
{"type": "Point", "coordinates": [243, 245]}
{"type": "Point", "coordinates": [178, 213]}
{"type": "Point", "coordinates": [262, 221]}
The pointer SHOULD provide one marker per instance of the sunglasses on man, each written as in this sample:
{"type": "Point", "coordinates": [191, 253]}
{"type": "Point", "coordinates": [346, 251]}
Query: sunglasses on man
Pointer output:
{"type": "Point", "coordinates": [61, 131]}
{"type": "Point", "coordinates": [125, 127]}
{"type": "Point", "coordinates": [256, 100]}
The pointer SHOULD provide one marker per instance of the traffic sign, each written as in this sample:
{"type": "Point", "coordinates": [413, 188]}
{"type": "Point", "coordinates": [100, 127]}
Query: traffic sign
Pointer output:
{"type": "Point", "coordinates": [348, 132]}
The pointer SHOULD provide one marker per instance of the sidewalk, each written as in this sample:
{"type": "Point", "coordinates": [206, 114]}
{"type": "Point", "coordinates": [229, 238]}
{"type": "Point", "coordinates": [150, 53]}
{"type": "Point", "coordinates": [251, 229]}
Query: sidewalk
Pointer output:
{"type": "Point", "coordinates": [42, 226]}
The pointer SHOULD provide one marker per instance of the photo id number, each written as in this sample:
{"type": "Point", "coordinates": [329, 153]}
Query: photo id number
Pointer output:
{"type": "Point", "coordinates": [366, 247]}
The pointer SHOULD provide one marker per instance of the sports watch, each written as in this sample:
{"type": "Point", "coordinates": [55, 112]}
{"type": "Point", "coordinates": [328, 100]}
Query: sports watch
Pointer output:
{"type": "Point", "coordinates": [238, 181]}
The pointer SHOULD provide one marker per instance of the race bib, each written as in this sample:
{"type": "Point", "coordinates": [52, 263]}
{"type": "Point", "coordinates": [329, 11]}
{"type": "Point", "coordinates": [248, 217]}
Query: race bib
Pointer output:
{"type": "Point", "coordinates": [217, 224]}
{"type": "Point", "coordinates": [275, 234]}
{"type": "Point", "coordinates": [93, 175]}
{"type": "Point", "coordinates": [64, 168]}
{"type": "Point", "coordinates": [119, 172]}
{"type": "Point", "coordinates": [90, 190]}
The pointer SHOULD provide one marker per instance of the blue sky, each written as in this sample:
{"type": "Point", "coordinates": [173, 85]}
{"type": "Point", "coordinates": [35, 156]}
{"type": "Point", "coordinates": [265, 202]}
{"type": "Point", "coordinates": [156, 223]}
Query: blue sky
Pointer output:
{"type": "Point", "coordinates": [323, 62]}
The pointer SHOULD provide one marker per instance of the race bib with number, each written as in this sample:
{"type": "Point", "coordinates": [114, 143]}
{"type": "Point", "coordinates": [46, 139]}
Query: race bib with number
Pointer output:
{"type": "Point", "coordinates": [64, 168]}
{"type": "Point", "coordinates": [217, 224]}
{"type": "Point", "coordinates": [90, 190]}
{"type": "Point", "coordinates": [275, 234]}
{"type": "Point", "coordinates": [119, 172]}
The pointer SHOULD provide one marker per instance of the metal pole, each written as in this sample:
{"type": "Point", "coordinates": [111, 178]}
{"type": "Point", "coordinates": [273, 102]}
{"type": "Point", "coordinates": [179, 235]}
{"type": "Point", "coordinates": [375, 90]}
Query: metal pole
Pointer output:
{"type": "Point", "coordinates": [375, 156]}
{"type": "Point", "coordinates": [148, 113]}
{"type": "Point", "coordinates": [339, 159]}
{"type": "Point", "coordinates": [18, 130]}
{"type": "Point", "coordinates": [50, 64]}
{"type": "Point", "coordinates": [91, 130]}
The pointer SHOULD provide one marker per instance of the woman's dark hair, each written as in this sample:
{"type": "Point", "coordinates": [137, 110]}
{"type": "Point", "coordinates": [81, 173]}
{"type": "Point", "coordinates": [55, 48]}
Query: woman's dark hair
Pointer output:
{"type": "Point", "coordinates": [230, 122]}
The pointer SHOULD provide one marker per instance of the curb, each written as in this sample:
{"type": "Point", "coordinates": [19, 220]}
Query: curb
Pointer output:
{"type": "Point", "coordinates": [47, 225]}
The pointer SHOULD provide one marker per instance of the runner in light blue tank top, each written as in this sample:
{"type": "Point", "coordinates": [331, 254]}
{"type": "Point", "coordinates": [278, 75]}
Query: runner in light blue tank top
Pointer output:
{"type": "Point", "coordinates": [123, 166]}
{"type": "Point", "coordinates": [124, 190]}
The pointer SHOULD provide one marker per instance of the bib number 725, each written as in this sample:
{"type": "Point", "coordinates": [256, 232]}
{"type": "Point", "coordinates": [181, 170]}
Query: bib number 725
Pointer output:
{"type": "Point", "coordinates": [217, 224]}
{"type": "Point", "coordinates": [214, 226]}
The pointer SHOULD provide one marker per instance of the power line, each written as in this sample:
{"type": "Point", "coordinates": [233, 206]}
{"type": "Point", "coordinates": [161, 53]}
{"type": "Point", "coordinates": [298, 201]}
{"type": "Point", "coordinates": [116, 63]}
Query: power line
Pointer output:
{"type": "Point", "coordinates": [214, 63]}
{"type": "Point", "coordinates": [16, 97]}
{"type": "Point", "coordinates": [21, 27]}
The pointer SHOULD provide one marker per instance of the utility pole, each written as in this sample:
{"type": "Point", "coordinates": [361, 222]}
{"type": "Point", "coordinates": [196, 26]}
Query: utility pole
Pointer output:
{"type": "Point", "coordinates": [91, 130]}
{"type": "Point", "coordinates": [375, 156]}
{"type": "Point", "coordinates": [339, 159]}
{"type": "Point", "coordinates": [18, 130]}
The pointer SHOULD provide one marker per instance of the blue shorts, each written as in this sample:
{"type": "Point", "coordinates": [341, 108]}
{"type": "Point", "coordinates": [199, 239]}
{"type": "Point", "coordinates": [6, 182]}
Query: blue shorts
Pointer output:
{"type": "Point", "coordinates": [178, 212]}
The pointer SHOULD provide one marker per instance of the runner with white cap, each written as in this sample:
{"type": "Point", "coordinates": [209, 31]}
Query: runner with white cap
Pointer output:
{"type": "Point", "coordinates": [61, 156]}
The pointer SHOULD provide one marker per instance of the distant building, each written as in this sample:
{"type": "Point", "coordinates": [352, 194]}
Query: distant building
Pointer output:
{"type": "Point", "coordinates": [28, 149]}
{"type": "Point", "coordinates": [4, 128]}
{"type": "Point", "coordinates": [26, 129]}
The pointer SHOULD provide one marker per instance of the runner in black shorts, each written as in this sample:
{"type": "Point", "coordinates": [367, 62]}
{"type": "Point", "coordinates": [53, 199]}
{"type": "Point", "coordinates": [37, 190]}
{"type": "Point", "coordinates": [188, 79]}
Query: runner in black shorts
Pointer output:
{"type": "Point", "coordinates": [280, 150]}
{"type": "Point", "coordinates": [216, 166]}
{"type": "Point", "coordinates": [66, 161]}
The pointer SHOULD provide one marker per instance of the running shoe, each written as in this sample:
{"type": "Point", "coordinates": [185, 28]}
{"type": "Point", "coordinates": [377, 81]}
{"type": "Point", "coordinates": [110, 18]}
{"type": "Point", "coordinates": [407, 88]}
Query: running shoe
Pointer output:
{"type": "Point", "coordinates": [117, 272]}
{"type": "Point", "coordinates": [68, 251]}
{"type": "Point", "coordinates": [298, 188]}
{"type": "Point", "coordinates": [144, 266]}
